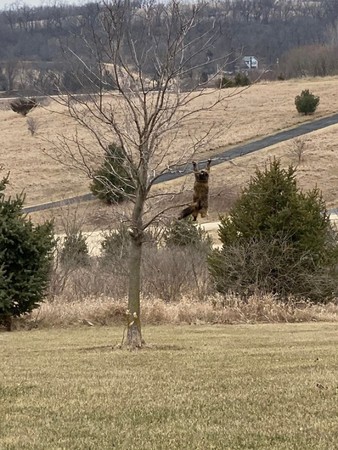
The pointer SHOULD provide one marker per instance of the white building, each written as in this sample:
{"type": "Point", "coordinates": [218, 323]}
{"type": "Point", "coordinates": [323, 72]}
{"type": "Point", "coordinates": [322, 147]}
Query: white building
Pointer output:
{"type": "Point", "coordinates": [250, 62]}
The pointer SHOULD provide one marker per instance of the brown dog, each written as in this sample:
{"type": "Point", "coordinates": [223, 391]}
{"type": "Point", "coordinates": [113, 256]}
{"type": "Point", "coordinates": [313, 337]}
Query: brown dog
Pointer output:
{"type": "Point", "coordinates": [201, 193]}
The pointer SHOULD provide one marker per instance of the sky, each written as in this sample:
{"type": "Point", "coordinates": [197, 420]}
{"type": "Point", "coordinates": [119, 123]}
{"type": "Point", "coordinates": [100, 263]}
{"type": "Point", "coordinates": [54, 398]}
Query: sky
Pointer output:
{"type": "Point", "coordinates": [6, 3]}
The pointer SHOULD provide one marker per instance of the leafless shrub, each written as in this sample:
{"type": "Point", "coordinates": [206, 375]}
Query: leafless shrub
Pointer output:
{"type": "Point", "coordinates": [172, 273]}
{"type": "Point", "coordinates": [168, 274]}
{"type": "Point", "coordinates": [72, 219]}
{"type": "Point", "coordinates": [94, 279]}
{"type": "Point", "coordinates": [298, 148]}
{"type": "Point", "coordinates": [73, 275]}
{"type": "Point", "coordinates": [32, 125]}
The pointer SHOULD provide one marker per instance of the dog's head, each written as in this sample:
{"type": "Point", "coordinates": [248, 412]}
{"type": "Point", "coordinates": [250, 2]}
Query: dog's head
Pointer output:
{"type": "Point", "coordinates": [202, 176]}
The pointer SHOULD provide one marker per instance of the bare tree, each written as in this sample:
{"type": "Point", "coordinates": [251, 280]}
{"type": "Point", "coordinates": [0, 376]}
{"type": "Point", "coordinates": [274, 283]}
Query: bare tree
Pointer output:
{"type": "Point", "coordinates": [149, 51]}
{"type": "Point", "coordinates": [32, 125]}
{"type": "Point", "coordinates": [298, 147]}
{"type": "Point", "coordinates": [10, 72]}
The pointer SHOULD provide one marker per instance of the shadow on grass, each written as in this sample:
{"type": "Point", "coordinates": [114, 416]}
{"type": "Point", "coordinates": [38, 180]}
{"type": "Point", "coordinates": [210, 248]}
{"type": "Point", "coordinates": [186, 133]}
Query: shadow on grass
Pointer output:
{"type": "Point", "coordinates": [97, 348]}
{"type": "Point", "coordinates": [146, 347]}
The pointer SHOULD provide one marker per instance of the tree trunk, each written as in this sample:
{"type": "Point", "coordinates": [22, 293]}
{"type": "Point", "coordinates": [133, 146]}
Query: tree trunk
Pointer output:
{"type": "Point", "coordinates": [6, 321]}
{"type": "Point", "coordinates": [134, 336]}
{"type": "Point", "coordinates": [9, 323]}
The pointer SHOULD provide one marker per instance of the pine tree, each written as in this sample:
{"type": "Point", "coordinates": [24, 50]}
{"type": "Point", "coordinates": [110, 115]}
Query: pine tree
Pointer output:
{"type": "Point", "coordinates": [75, 251]}
{"type": "Point", "coordinates": [25, 258]}
{"type": "Point", "coordinates": [183, 233]}
{"type": "Point", "coordinates": [306, 103]}
{"type": "Point", "coordinates": [277, 239]}
{"type": "Point", "coordinates": [111, 182]}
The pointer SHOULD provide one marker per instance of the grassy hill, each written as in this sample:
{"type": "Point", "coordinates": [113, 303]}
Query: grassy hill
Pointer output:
{"type": "Point", "coordinates": [261, 110]}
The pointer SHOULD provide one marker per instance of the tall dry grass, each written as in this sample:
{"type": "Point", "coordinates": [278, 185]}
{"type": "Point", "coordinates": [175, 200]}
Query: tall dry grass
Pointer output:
{"type": "Point", "coordinates": [104, 310]}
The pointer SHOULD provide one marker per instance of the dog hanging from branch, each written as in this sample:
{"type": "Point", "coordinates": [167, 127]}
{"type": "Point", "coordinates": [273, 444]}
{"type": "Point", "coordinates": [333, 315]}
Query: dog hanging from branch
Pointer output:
{"type": "Point", "coordinates": [201, 193]}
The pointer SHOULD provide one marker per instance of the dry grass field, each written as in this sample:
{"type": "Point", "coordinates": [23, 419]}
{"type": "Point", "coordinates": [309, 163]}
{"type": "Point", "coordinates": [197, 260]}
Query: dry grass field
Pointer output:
{"type": "Point", "coordinates": [259, 387]}
{"type": "Point", "coordinates": [318, 168]}
{"type": "Point", "coordinates": [262, 109]}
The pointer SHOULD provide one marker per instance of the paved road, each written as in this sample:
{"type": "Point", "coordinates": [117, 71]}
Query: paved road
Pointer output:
{"type": "Point", "coordinates": [226, 155]}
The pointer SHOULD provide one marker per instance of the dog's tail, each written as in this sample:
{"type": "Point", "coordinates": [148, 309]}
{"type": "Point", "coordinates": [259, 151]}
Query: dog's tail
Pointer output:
{"type": "Point", "coordinates": [188, 211]}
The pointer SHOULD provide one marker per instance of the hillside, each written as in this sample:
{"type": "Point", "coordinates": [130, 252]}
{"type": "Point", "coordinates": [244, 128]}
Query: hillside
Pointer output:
{"type": "Point", "coordinates": [263, 109]}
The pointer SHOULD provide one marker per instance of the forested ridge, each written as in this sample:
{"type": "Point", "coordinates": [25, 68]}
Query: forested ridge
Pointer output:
{"type": "Point", "coordinates": [290, 38]}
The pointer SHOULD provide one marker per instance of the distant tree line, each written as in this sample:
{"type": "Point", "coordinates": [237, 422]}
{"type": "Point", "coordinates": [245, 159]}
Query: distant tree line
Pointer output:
{"type": "Point", "coordinates": [290, 37]}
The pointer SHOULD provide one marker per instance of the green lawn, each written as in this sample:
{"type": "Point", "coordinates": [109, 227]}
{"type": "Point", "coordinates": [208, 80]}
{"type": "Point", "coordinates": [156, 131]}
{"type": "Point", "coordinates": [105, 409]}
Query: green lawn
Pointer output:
{"type": "Point", "coordinates": [198, 387]}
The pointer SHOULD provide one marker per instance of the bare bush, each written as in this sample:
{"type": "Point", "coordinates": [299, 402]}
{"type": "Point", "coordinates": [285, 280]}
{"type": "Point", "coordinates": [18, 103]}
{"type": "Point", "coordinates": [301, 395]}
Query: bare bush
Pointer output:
{"type": "Point", "coordinates": [32, 125]}
{"type": "Point", "coordinates": [74, 282]}
{"type": "Point", "coordinates": [172, 273]}
{"type": "Point", "coordinates": [168, 274]}
{"type": "Point", "coordinates": [297, 150]}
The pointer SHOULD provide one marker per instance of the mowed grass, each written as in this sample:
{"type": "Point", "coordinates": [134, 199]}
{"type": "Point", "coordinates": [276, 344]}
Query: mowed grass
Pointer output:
{"type": "Point", "coordinates": [198, 387]}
